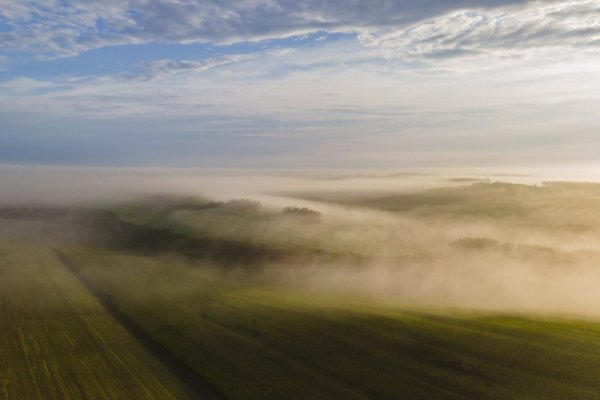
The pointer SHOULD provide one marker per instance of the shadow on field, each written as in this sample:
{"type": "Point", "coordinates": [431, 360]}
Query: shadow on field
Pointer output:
{"type": "Point", "coordinates": [198, 388]}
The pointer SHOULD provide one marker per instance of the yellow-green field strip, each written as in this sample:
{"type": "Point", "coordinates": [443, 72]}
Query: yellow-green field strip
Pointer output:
{"type": "Point", "coordinates": [196, 385]}
{"type": "Point", "coordinates": [58, 342]}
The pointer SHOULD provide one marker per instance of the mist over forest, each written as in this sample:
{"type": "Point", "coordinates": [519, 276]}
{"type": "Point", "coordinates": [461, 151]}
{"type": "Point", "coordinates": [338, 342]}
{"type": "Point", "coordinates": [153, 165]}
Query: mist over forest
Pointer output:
{"type": "Point", "coordinates": [509, 242]}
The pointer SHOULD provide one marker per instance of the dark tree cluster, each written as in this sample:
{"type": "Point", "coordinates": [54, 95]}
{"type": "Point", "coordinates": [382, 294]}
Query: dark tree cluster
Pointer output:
{"type": "Point", "coordinates": [237, 204]}
{"type": "Point", "coordinates": [301, 212]}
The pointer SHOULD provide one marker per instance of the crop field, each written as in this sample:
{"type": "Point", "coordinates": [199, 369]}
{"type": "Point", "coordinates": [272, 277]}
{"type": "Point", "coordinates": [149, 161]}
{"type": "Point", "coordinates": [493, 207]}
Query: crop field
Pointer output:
{"type": "Point", "coordinates": [262, 342]}
{"type": "Point", "coordinates": [57, 342]}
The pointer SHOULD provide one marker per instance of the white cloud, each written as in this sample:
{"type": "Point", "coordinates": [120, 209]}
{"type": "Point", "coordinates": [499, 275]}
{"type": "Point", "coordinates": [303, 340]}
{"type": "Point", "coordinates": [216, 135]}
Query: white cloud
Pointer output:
{"type": "Point", "coordinates": [25, 85]}
{"type": "Point", "coordinates": [558, 31]}
{"type": "Point", "coordinates": [234, 84]}
{"type": "Point", "coordinates": [165, 67]}
{"type": "Point", "coordinates": [52, 28]}
{"type": "Point", "coordinates": [324, 90]}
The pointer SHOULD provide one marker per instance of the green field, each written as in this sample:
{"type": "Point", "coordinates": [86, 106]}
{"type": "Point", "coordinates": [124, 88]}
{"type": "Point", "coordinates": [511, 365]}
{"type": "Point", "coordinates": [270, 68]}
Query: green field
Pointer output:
{"type": "Point", "coordinates": [57, 342]}
{"type": "Point", "coordinates": [262, 342]}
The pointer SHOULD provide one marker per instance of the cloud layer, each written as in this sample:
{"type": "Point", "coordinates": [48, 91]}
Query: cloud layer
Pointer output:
{"type": "Point", "coordinates": [564, 27]}
{"type": "Point", "coordinates": [299, 82]}
{"type": "Point", "coordinates": [54, 28]}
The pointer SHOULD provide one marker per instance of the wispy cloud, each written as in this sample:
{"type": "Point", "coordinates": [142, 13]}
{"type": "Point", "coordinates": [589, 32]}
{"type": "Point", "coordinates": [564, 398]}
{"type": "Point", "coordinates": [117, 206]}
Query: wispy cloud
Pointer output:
{"type": "Point", "coordinates": [165, 67]}
{"type": "Point", "coordinates": [53, 28]}
{"type": "Point", "coordinates": [558, 29]}
{"type": "Point", "coordinates": [25, 85]}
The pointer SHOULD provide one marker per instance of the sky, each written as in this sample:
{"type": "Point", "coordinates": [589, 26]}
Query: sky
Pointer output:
{"type": "Point", "coordinates": [299, 83]}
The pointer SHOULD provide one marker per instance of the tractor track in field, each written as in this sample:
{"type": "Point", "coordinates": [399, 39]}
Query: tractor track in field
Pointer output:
{"type": "Point", "coordinates": [197, 387]}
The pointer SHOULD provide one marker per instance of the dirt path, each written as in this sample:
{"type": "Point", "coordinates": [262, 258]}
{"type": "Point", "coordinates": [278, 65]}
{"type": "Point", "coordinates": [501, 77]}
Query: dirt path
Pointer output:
{"type": "Point", "coordinates": [196, 385]}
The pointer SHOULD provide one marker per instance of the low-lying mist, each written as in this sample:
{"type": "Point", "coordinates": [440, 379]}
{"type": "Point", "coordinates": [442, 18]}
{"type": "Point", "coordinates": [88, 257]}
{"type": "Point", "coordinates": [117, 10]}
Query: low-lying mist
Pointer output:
{"type": "Point", "coordinates": [519, 280]}
{"type": "Point", "coordinates": [488, 241]}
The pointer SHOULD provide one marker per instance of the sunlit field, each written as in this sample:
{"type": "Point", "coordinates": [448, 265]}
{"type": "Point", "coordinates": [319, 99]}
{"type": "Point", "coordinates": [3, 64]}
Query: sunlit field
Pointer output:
{"type": "Point", "coordinates": [57, 342]}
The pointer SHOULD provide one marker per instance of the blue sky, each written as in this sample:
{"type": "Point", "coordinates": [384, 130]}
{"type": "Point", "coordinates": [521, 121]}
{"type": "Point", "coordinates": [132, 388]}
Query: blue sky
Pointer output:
{"type": "Point", "coordinates": [299, 84]}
